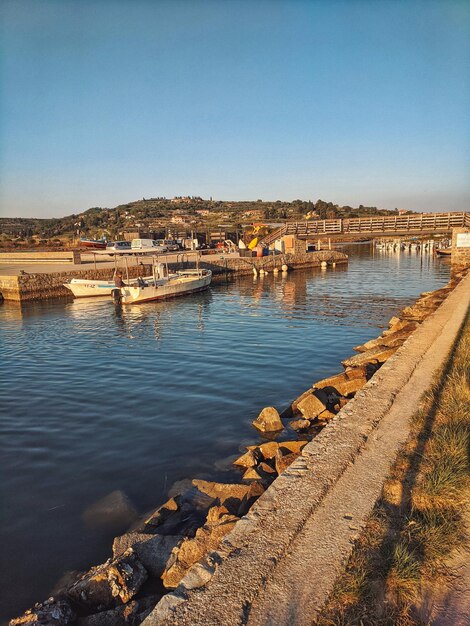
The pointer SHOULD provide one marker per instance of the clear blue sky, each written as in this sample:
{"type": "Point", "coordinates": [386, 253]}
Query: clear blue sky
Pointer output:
{"type": "Point", "coordinates": [107, 101]}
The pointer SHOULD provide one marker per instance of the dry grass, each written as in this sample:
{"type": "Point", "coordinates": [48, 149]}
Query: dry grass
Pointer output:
{"type": "Point", "coordinates": [418, 521]}
{"type": "Point", "coordinates": [403, 575]}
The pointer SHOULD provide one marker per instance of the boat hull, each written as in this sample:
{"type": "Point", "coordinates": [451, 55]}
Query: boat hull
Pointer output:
{"type": "Point", "coordinates": [82, 288]}
{"type": "Point", "coordinates": [87, 288]}
{"type": "Point", "coordinates": [91, 243]}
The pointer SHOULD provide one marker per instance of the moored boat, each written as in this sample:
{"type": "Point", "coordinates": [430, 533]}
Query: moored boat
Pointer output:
{"type": "Point", "coordinates": [443, 251]}
{"type": "Point", "coordinates": [98, 244]}
{"type": "Point", "coordinates": [164, 286]}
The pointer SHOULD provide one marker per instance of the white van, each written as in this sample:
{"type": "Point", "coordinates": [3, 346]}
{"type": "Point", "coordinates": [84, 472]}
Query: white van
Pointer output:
{"type": "Point", "coordinates": [148, 245]}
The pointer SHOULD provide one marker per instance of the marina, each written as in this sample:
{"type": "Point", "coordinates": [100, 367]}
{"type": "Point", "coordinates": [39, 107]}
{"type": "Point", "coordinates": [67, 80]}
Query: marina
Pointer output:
{"type": "Point", "coordinates": [165, 391]}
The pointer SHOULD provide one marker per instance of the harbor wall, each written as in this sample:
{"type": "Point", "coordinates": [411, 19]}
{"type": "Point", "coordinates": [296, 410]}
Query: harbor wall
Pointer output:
{"type": "Point", "coordinates": [74, 256]}
{"type": "Point", "coordinates": [42, 286]}
{"type": "Point", "coordinates": [460, 247]}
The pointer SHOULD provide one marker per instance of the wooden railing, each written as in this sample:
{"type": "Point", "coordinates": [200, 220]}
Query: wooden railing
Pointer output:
{"type": "Point", "coordinates": [276, 234]}
{"type": "Point", "coordinates": [375, 225]}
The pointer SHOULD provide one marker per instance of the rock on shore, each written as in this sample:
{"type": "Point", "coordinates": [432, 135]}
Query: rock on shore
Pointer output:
{"type": "Point", "coordinates": [268, 420]}
{"type": "Point", "coordinates": [218, 523]}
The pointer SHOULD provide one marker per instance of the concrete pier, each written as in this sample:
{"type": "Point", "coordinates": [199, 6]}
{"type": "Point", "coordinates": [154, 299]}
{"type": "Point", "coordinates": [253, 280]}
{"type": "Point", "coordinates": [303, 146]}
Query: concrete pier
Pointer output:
{"type": "Point", "coordinates": [46, 283]}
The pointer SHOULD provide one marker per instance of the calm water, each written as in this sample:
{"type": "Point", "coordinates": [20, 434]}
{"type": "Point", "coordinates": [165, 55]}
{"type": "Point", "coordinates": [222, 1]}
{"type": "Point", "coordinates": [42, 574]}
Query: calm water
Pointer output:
{"type": "Point", "coordinates": [96, 399]}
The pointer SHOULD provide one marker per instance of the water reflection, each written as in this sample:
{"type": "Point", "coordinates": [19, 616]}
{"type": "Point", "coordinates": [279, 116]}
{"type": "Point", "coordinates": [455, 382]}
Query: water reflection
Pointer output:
{"type": "Point", "coordinates": [11, 311]}
{"type": "Point", "coordinates": [131, 321]}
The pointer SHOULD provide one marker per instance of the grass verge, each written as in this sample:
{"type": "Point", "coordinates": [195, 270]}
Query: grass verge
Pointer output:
{"type": "Point", "coordinates": [419, 519]}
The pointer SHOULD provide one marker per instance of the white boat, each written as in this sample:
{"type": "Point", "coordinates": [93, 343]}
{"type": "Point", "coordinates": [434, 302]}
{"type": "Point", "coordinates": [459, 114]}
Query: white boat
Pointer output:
{"type": "Point", "coordinates": [84, 288]}
{"type": "Point", "coordinates": [164, 286]}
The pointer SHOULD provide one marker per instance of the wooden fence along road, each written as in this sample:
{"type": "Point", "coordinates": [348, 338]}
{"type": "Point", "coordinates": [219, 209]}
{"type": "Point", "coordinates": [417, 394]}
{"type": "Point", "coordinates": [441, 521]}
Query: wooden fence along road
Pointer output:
{"type": "Point", "coordinates": [417, 224]}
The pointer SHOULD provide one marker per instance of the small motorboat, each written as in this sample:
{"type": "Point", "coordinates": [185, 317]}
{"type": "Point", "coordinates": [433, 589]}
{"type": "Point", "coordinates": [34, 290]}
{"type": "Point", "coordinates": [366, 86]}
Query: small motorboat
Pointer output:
{"type": "Point", "coordinates": [164, 285]}
{"type": "Point", "coordinates": [443, 251]}
{"type": "Point", "coordinates": [97, 244]}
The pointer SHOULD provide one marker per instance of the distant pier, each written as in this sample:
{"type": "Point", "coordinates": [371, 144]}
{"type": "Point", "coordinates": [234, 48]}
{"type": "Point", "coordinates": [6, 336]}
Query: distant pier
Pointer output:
{"type": "Point", "coordinates": [41, 282]}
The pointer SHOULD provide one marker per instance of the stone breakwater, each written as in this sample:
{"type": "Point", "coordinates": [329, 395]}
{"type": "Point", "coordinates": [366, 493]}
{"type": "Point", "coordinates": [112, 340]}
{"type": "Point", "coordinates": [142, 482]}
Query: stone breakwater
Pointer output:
{"type": "Point", "coordinates": [178, 545]}
{"type": "Point", "coordinates": [42, 286]}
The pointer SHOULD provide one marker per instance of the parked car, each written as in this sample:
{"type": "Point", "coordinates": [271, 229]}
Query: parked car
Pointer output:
{"type": "Point", "coordinates": [117, 246]}
{"type": "Point", "coordinates": [172, 245]}
{"type": "Point", "coordinates": [148, 245]}
{"type": "Point", "coordinates": [169, 244]}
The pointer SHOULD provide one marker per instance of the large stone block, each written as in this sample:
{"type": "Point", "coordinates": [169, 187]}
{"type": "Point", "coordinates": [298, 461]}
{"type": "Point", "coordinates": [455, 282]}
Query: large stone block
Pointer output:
{"type": "Point", "coordinates": [163, 512]}
{"type": "Point", "coordinates": [268, 420]}
{"type": "Point", "coordinates": [311, 406]}
{"type": "Point", "coordinates": [114, 512]}
{"type": "Point", "coordinates": [105, 586]}
{"type": "Point", "coordinates": [181, 514]}
{"type": "Point", "coordinates": [153, 551]}
{"type": "Point", "coordinates": [292, 446]}
{"type": "Point", "coordinates": [400, 325]}
{"type": "Point", "coordinates": [218, 523]}
{"type": "Point", "coordinates": [343, 383]}
{"type": "Point", "coordinates": [50, 613]}
{"type": "Point", "coordinates": [226, 494]}
{"type": "Point", "coordinates": [283, 461]}
{"type": "Point", "coordinates": [266, 450]}
{"type": "Point", "coordinates": [246, 460]}
{"type": "Point", "coordinates": [130, 614]}
{"type": "Point", "coordinates": [375, 355]}
{"type": "Point", "coordinates": [390, 341]}
{"type": "Point", "coordinates": [300, 425]}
